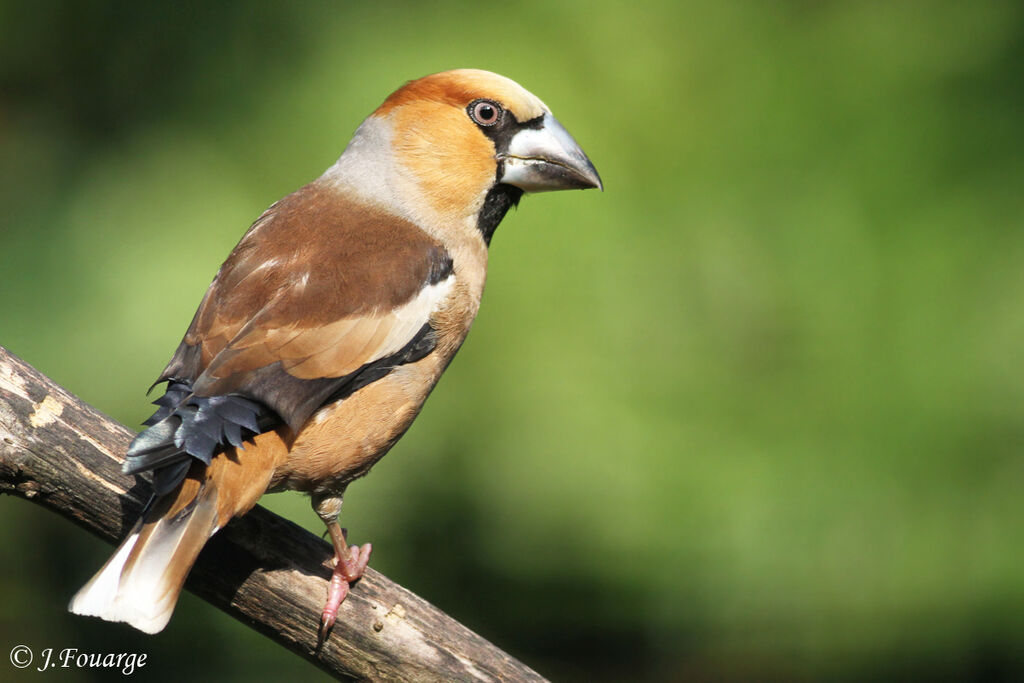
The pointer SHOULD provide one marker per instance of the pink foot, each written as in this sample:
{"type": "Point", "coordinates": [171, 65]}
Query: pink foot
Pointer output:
{"type": "Point", "coordinates": [347, 570]}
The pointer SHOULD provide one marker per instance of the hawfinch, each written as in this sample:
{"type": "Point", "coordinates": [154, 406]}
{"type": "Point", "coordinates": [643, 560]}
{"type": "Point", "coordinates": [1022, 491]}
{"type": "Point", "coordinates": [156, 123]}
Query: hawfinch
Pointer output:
{"type": "Point", "coordinates": [328, 326]}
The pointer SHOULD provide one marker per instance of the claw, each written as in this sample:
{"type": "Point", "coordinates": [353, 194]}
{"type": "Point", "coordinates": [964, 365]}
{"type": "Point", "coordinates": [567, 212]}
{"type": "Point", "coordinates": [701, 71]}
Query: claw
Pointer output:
{"type": "Point", "coordinates": [326, 624]}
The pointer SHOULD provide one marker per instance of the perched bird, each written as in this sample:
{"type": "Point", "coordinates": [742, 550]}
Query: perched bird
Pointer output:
{"type": "Point", "coordinates": [328, 326]}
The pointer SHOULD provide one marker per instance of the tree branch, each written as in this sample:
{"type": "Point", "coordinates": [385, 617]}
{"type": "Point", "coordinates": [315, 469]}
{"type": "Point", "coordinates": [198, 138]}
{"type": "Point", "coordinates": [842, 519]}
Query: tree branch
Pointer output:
{"type": "Point", "coordinates": [261, 569]}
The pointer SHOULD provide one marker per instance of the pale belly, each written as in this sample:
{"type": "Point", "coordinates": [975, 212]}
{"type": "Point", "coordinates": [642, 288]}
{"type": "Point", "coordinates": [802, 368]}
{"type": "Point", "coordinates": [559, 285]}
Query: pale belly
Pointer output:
{"type": "Point", "coordinates": [342, 441]}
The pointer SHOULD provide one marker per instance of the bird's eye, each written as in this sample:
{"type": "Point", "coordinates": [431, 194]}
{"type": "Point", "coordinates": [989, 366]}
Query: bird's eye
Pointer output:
{"type": "Point", "coordinates": [485, 112]}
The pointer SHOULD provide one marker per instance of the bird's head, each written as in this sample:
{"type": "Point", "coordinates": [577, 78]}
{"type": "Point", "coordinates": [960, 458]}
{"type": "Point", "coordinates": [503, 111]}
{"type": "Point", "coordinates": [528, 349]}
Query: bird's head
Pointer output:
{"type": "Point", "coordinates": [463, 145]}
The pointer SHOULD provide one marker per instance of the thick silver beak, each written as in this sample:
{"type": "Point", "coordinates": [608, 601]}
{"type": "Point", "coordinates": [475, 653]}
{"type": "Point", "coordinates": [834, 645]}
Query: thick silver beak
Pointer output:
{"type": "Point", "coordinates": [547, 158]}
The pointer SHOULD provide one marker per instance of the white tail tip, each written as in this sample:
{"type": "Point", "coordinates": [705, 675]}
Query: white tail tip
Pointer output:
{"type": "Point", "coordinates": [140, 598]}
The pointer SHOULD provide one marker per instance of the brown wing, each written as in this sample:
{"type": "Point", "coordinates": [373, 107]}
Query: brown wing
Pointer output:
{"type": "Point", "coordinates": [319, 287]}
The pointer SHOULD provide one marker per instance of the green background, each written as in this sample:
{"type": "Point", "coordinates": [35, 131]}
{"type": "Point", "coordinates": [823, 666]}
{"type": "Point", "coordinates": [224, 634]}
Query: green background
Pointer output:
{"type": "Point", "coordinates": [753, 413]}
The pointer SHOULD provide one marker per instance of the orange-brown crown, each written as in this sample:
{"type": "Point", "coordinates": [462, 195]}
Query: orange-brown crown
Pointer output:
{"type": "Point", "coordinates": [459, 87]}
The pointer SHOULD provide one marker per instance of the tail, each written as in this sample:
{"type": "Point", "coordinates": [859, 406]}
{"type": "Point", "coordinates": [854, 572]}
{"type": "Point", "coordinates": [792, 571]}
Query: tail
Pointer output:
{"type": "Point", "coordinates": [205, 472]}
{"type": "Point", "coordinates": [141, 582]}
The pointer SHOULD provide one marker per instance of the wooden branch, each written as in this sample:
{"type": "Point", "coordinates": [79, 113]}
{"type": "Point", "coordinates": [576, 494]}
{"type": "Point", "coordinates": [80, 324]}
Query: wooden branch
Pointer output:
{"type": "Point", "coordinates": [261, 569]}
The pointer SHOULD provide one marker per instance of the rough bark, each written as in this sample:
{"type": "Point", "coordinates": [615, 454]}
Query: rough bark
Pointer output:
{"type": "Point", "coordinates": [263, 570]}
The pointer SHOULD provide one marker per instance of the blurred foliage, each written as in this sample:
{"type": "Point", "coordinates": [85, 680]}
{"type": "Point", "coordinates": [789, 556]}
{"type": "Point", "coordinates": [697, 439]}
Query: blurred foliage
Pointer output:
{"type": "Point", "coordinates": [754, 413]}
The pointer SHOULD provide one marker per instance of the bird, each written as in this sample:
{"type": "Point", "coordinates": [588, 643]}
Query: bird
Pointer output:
{"type": "Point", "coordinates": [327, 327]}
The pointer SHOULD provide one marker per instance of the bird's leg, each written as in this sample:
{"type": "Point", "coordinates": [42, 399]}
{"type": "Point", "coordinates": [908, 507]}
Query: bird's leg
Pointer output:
{"type": "Point", "coordinates": [349, 562]}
